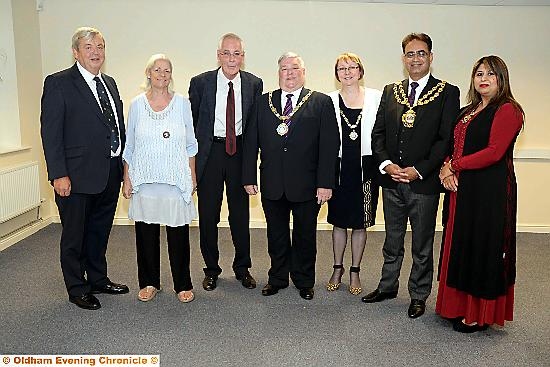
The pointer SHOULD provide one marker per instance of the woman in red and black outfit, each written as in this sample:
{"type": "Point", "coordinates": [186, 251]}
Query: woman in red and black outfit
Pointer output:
{"type": "Point", "coordinates": [478, 257]}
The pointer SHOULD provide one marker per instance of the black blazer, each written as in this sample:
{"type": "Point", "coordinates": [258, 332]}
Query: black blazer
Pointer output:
{"type": "Point", "coordinates": [75, 133]}
{"type": "Point", "coordinates": [430, 137]}
{"type": "Point", "coordinates": [300, 163]}
{"type": "Point", "coordinates": [202, 95]}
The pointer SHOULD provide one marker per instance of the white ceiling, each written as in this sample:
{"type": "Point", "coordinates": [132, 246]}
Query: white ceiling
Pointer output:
{"type": "Point", "coordinates": [455, 2]}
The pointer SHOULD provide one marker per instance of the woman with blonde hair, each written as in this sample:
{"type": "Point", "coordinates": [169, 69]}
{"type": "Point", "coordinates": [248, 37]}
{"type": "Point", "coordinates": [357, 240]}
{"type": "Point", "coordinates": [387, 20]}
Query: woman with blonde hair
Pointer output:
{"type": "Point", "coordinates": [159, 178]}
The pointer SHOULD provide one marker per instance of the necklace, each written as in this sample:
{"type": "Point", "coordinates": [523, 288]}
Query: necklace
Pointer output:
{"type": "Point", "coordinates": [409, 116]}
{"type": "Point", "coordinates": [294, 110]}
{"type": "Point", "coordinates": [282, 128]}
{"type": "Point", "coordinates": [353, 134]}
{"type": "Point", "coordinates": [469, 116]}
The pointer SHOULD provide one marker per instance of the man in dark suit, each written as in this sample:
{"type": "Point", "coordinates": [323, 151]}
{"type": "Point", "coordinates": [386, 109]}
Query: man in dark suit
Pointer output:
{"type": "Point", "coordinates": [299, 145]}
{"type": "Point", "coordinates": [221, 101]}
{"type": "Point", "coordinates": [82, 128]}
{"type": "Point", "coordinates": [410, 140]}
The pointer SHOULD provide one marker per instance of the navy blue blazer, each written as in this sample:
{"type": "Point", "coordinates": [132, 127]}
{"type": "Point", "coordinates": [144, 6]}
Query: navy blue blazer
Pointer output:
{"type": "Point", "coordinates": [75, 133]}
{"type": "Point", "coordinates": [202, 95]}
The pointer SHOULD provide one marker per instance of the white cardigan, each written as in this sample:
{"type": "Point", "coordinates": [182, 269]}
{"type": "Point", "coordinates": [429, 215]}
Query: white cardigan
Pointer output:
{"type": "Point", "coordinates": [370, 108]}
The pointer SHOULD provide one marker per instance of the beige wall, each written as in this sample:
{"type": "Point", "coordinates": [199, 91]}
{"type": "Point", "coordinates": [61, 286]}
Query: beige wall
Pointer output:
{"type": "Point", "coordinates": [26, 31]}
{"type": "Point", "coordinates": [188, 32]}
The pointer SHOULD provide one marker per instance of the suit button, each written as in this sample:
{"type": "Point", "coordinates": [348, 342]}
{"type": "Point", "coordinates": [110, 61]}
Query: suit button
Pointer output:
{"type": "Point", "coordinates": [285, 149]}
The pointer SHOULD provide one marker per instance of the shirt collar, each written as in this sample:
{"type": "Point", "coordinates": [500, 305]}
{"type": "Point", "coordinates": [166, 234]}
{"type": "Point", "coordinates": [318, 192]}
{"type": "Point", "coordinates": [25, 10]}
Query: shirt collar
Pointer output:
{"type": "Point", "coordinates": [88, 77]}
{"type": "Point", "coordinates": [421, 82]}
{"type": "Point", "coordinates": [222, 79]}
{"type": "Point", "coordinates": [295, 94]}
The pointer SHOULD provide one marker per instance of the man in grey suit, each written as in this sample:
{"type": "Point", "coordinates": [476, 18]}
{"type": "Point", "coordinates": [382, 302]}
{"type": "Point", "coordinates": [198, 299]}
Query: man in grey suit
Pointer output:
{"type": "Point", "coordinates": [221, 101]}
{"type": "Point", "coordinates": [410, 139]}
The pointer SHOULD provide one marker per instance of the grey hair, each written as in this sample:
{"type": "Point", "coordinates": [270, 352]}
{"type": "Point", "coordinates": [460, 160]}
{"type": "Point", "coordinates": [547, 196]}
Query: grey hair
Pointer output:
{"type": "Point", "coordinates": [291, 55]}
{"type": "Point", "coordinates": [146, 85]}
{"type": "Point", "coordinates": [232, 36]}
{"type": "Point", "coordinates": [87, 33]}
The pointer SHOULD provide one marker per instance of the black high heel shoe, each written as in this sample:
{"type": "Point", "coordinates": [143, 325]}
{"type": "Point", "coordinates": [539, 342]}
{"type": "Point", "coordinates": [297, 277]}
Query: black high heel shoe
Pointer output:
{"type": "Point", "coordinates": [461, 327]}
{"type": "Point", "coordinates": [331, 287]}
{"type": "Point", "coordinates": [354, 290]}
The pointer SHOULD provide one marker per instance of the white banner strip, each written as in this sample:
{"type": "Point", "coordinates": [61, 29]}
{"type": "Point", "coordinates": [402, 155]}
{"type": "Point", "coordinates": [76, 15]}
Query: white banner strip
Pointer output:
{"type": "Point", "coordinates": [82, 360]}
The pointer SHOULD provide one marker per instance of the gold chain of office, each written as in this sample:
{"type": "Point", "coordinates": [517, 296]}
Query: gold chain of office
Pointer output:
{"type": "Point", "coordinates": [409, 116]}
{"type": "Point", "coordinates": [294, 110]}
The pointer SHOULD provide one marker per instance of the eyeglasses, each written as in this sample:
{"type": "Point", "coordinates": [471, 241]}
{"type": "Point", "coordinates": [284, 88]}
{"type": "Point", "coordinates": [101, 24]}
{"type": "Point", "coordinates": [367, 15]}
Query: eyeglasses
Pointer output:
{"type": "Point", "coordinates": [344, 69]}
{"type": "Point", "coordinates": [421, 54]}
{"type": "Point", "coordinates": [228, 54]}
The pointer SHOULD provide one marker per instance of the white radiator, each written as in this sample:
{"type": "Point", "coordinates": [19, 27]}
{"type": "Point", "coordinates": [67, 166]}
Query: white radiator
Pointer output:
{"type": "Point", "coordinates": [19, 190]}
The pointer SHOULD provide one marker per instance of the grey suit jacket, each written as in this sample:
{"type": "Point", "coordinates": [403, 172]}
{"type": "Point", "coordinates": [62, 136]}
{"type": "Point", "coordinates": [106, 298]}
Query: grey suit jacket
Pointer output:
{"type": "Point", "coordinates": [202, 95]}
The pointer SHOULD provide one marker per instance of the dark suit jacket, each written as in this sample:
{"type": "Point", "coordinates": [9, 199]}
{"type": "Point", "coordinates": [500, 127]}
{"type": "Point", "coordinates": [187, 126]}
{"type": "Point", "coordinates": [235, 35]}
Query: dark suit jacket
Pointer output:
{"type": "Point", "coordinates": [300, 163]}
{"type": "Point", "coordinates": [75, 133]}
{"type": "Point", "coordinates": [430, 137]}
{"type": "Point", "coordinates": [202, 95]}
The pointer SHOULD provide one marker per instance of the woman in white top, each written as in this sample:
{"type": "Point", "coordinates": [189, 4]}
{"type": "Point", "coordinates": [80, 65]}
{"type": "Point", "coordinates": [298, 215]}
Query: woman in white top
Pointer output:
{"type": "Point", "coordinates": [353, 202]}
{"type": "Point", "coordinates": [159, 178]}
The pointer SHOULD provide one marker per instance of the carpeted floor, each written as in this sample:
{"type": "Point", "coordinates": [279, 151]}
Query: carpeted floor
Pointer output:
{"type": "Point", "coordinates": [233, 326]}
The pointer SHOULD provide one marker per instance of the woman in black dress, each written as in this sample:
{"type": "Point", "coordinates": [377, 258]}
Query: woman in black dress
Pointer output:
{"type": "Point", "coordinates": [353, 203]}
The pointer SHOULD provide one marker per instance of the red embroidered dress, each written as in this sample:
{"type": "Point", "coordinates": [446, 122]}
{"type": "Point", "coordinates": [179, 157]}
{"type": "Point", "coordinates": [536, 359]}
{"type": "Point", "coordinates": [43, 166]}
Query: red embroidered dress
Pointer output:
{"type": "Point", "coordinates": [478, 257]}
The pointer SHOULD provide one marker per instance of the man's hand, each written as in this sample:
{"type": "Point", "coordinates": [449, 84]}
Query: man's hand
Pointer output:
{"type": "Point", "coordinates": [395, 172]}
{"type": "Point", "coordinates": [251, 189]}
{"type": "Point", "coordinates": [323, 195]}
{"type": "Point", "coordinates": [408, 174]}
{"type": "Point", "coordinates": [62, 186]}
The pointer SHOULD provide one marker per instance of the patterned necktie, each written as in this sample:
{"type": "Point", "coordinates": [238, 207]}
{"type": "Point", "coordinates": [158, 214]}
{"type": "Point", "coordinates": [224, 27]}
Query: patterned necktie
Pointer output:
{"type": "Point", "coordinates": [230, 136]}
{"type": "Point", "coordinates": [288, 109]}
{"type": "Point", "coordinates": [107, 112]}
{"type": "Point", "coordinates": [412, 95]}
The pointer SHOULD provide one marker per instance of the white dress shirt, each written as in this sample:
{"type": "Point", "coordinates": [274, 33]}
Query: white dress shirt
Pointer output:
{"type": "Point", "coordinates": [89, 78]}
{"type": "Point", "coordinates": [221, 104]}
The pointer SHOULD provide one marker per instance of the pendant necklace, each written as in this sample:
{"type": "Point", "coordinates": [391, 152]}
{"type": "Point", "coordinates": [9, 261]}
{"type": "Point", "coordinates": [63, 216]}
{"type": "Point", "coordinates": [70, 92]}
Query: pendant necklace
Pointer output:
{"type": "Point", "coordinates": [353, 134]}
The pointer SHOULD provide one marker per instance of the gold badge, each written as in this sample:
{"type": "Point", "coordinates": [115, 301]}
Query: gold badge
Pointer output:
{"type": "Point", "coordinates": [408, 118]}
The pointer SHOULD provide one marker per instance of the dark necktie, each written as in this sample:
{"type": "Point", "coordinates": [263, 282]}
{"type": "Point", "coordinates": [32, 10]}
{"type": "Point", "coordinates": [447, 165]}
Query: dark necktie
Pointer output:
{"type": "Point", "coordinates": [230, 137]}
{"type": "Point", "coordinates": [412, 95]}
{"type": "Point", "coordinates": [107, 112]}
{"type": "Point", "coordinates": [288, 109]}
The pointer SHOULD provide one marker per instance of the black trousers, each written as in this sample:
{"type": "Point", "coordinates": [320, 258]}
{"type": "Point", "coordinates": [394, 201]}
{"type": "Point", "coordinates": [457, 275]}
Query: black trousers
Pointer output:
{"type": "Point", "coordinates": [222, 168]}
{"type": "Point", "coordinates": [87, 220]}
{"type": "Point", "coordinates": [297, 256]}
{"type": "Point", "coordinates": [148, 255]}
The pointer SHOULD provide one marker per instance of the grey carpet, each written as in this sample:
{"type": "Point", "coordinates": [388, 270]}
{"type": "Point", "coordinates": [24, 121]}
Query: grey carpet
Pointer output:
{"type": "Point", "coordinates": [233, 326]}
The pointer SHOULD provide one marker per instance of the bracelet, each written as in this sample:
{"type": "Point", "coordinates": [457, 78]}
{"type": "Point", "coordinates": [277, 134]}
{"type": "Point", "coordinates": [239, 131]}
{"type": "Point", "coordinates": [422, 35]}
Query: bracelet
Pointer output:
{"type": "Point", "coordinates": [451, 166]}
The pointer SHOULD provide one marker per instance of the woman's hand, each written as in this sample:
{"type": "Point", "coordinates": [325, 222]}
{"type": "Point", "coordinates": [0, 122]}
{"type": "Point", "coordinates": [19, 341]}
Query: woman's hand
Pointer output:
{"type": "Point", "coordinates": [445, 171]}
{"type": "Point", "coordinates": [127, 188]}
{"type": "Point", "coordinates": [450, 183]}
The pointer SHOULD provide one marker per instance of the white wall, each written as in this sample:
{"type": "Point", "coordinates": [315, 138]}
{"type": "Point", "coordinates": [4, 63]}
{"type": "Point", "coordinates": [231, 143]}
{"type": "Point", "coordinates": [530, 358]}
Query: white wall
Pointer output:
{"type": "Point", "coordinates": [188, 31]}
{"type": "Point", "coordinates": [10, 136]}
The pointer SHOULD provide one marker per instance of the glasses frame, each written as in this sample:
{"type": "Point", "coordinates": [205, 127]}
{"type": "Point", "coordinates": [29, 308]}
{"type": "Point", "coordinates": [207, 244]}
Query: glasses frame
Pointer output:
{"type": "Point", "coordinates": [343, 69]}
{"type": "Point", "coordinates": [421, 54]}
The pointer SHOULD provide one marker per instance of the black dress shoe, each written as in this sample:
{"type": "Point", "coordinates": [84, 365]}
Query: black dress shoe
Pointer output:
{"type": "Point", "coordinates": [270, 289]}
{"type": "Point", "coordinates": [377, 296]}
{"type": "Point", "coordinates": [111, 288]}
{"type": "Point", "coordinates": [416, 308]}
{"type": "Point", "coordinates": [247, 280]}
{"type": "Point", "coordinates": [461, 327]}
{"type": "Point", "coordinates": [210, 282]}
{"type": "Point", "coordinates": [307, 293]}
{"type": "Point", "coordinates": [86, 301]}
